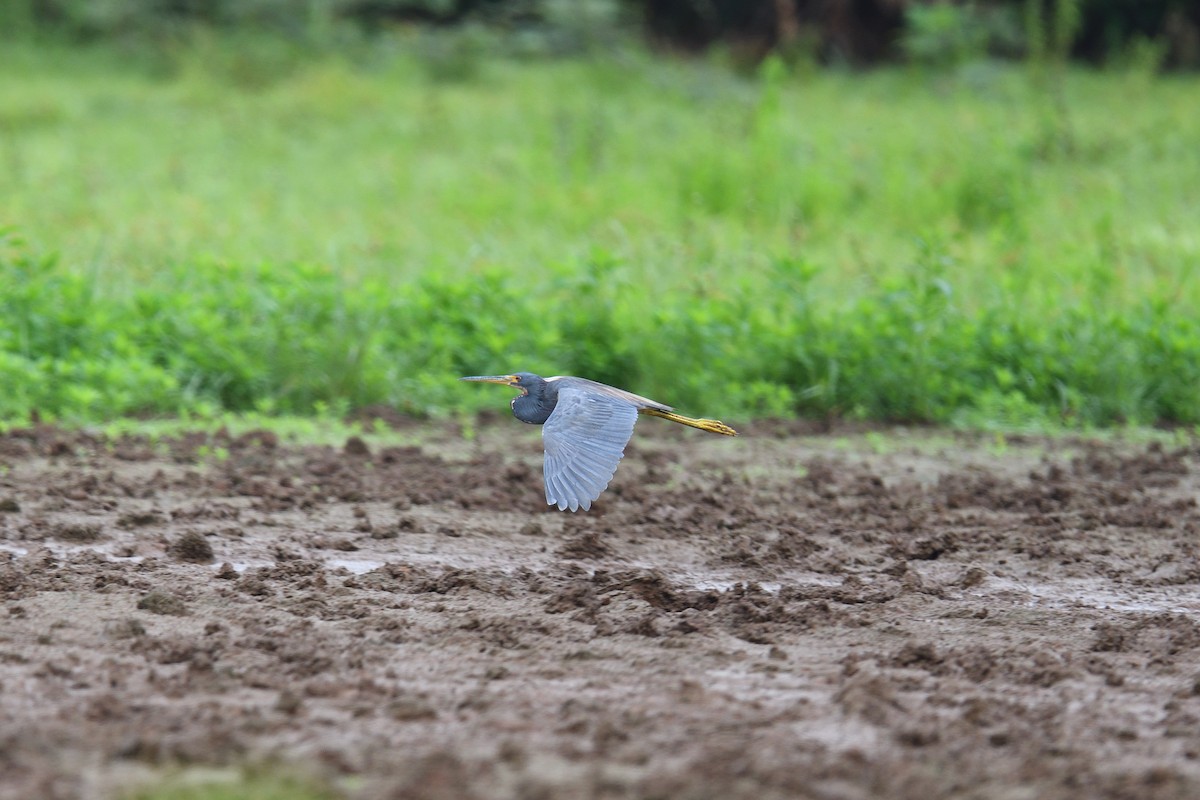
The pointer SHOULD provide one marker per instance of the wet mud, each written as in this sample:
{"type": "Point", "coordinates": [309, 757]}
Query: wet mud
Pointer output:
{"type": "Point", "coordinates": [789, 614]}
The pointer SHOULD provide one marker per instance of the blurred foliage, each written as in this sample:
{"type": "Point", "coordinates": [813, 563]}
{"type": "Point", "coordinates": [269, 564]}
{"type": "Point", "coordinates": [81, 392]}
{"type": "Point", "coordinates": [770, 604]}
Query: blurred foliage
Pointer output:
{"type": "Point", "coordinates": [356, 230]}
{"type": "Point", "coordinates": [298, 339]}
{"type": "Point", "coordinates": [945, 34]}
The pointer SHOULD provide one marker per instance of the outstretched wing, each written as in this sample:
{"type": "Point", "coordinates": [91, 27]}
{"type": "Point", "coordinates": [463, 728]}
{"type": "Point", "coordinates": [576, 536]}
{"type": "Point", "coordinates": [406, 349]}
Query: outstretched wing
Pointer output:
{"type": "Point", "coordinates": [603, 388]}
{"type": "Point", "coordinates": [585, 438]}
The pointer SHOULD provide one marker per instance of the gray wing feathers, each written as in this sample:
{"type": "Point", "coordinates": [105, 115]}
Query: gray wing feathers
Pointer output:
{"type": "Point", "coordinates": [611, 391]}
{"type": "Point", "coordinates": [585, 438]}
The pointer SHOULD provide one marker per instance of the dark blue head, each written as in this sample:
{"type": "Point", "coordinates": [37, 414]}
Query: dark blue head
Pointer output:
{"type": "Point", "coordinates": [536, 401]}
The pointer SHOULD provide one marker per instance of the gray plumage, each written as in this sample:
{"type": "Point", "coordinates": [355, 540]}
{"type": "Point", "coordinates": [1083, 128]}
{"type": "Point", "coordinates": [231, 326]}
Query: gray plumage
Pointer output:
{"type": "Point", "coordinates": [585, 438]}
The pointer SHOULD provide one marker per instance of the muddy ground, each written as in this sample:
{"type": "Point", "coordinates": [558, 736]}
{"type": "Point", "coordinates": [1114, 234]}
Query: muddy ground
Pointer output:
{"type": "Point", "coordinates": [786, 614]}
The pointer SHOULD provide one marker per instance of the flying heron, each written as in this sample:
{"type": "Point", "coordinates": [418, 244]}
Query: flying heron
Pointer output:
{"type": "Point", "coordinates": [585, 427]}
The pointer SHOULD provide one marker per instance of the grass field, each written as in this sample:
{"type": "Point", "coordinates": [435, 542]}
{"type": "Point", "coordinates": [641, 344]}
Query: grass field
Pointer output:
{"type": "Point", "coordinates": [231, 227]}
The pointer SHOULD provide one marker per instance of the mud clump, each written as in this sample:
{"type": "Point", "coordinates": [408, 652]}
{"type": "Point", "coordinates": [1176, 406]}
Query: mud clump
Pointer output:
{"type": "Point", "coordinates": [130, 628]}
{"type": "Point", "coordinates": [256, 439]}
{"type": "Point", "coordinates": [78, 532]}
{"type": "Point", "coordinates": [585, 546]}
{"type": "Point", "coordinates": [162, 603]}
{"type": "Point", "coordinates": [927, 548]}
{"type": "Point", "coordinates": [139, 519]}
{"type": "Point", "coordinates": [974, 576]}
{"type": "Point", "coordinates": [192, 546]}
{"type": "Point", "coordinates": [254, 585]}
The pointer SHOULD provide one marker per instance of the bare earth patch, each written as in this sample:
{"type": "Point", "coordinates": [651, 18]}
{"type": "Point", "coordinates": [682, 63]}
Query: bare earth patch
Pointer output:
{"type": "Point", "coordinates": [781, 615]}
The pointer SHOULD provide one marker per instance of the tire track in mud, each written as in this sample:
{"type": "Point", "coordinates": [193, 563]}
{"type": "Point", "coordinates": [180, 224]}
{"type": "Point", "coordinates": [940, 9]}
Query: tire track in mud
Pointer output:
{"type": "Point", "coordinates": [791, 616]}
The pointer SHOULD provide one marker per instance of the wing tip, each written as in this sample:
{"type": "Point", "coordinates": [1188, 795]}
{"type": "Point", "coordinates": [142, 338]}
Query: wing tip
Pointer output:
{"type": "Point", "coordinates": [565, 503]}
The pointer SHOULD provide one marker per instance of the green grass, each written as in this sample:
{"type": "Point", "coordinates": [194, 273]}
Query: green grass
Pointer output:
{"type": "Point", "coordinates": [230, 784]}
{"type": "Point", "coordinates": [231, 228]}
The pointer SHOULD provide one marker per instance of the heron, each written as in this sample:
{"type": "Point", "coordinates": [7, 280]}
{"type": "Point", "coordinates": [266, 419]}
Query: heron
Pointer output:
{"type": "Point", "coordinates": [585, 427]}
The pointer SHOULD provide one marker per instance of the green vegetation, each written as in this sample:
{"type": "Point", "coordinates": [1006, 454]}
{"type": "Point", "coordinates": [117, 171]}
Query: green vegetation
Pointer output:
{"type": "Point", "coordinates": [235, 226]}
{"type": "Point", "coordinates": [256, 783]}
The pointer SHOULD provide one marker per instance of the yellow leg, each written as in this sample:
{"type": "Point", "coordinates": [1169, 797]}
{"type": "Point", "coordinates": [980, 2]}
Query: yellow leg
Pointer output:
{"type": "Point", "coordinates": [710, 425]}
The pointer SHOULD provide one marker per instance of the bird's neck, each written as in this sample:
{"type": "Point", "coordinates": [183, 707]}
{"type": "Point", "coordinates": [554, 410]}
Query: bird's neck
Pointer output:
{"type": "Point", "coordinates": [535, 407]}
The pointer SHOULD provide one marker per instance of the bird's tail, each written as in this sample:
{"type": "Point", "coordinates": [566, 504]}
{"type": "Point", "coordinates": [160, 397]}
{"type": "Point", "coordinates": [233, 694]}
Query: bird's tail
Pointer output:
{"type": "Point", "coordinates": [710, 425]}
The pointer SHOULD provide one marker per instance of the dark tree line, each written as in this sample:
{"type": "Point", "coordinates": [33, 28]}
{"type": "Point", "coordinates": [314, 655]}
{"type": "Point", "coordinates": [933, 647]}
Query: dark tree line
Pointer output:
{"type": "Point", "coordinates": [846, 31]}
{"type": "Point", "coordinates": [868, 31]}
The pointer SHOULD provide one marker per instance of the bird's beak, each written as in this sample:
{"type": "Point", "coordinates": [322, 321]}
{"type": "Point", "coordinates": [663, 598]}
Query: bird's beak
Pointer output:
{"type": "Point", "coordinates": [504, 380]}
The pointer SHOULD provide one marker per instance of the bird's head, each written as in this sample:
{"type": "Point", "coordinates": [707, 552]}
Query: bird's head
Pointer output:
{"type": "Point", "coordinates": [518, 380]}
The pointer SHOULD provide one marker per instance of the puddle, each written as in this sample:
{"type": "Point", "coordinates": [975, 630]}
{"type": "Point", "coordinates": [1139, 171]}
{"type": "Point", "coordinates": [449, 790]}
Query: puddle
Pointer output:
{"type": "Point", "coordinates": [770, 587]}
{"type": "Point", "coordinates": [1068, 594]}
{"type": "Point", "coordinates": [61, 550]}
{"type": "Point", "coordinates": [70, 550]}
{"type": "Point", "coordinates": [358, 566]}
{"type": "Point", "coordinates": [241, 566]}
